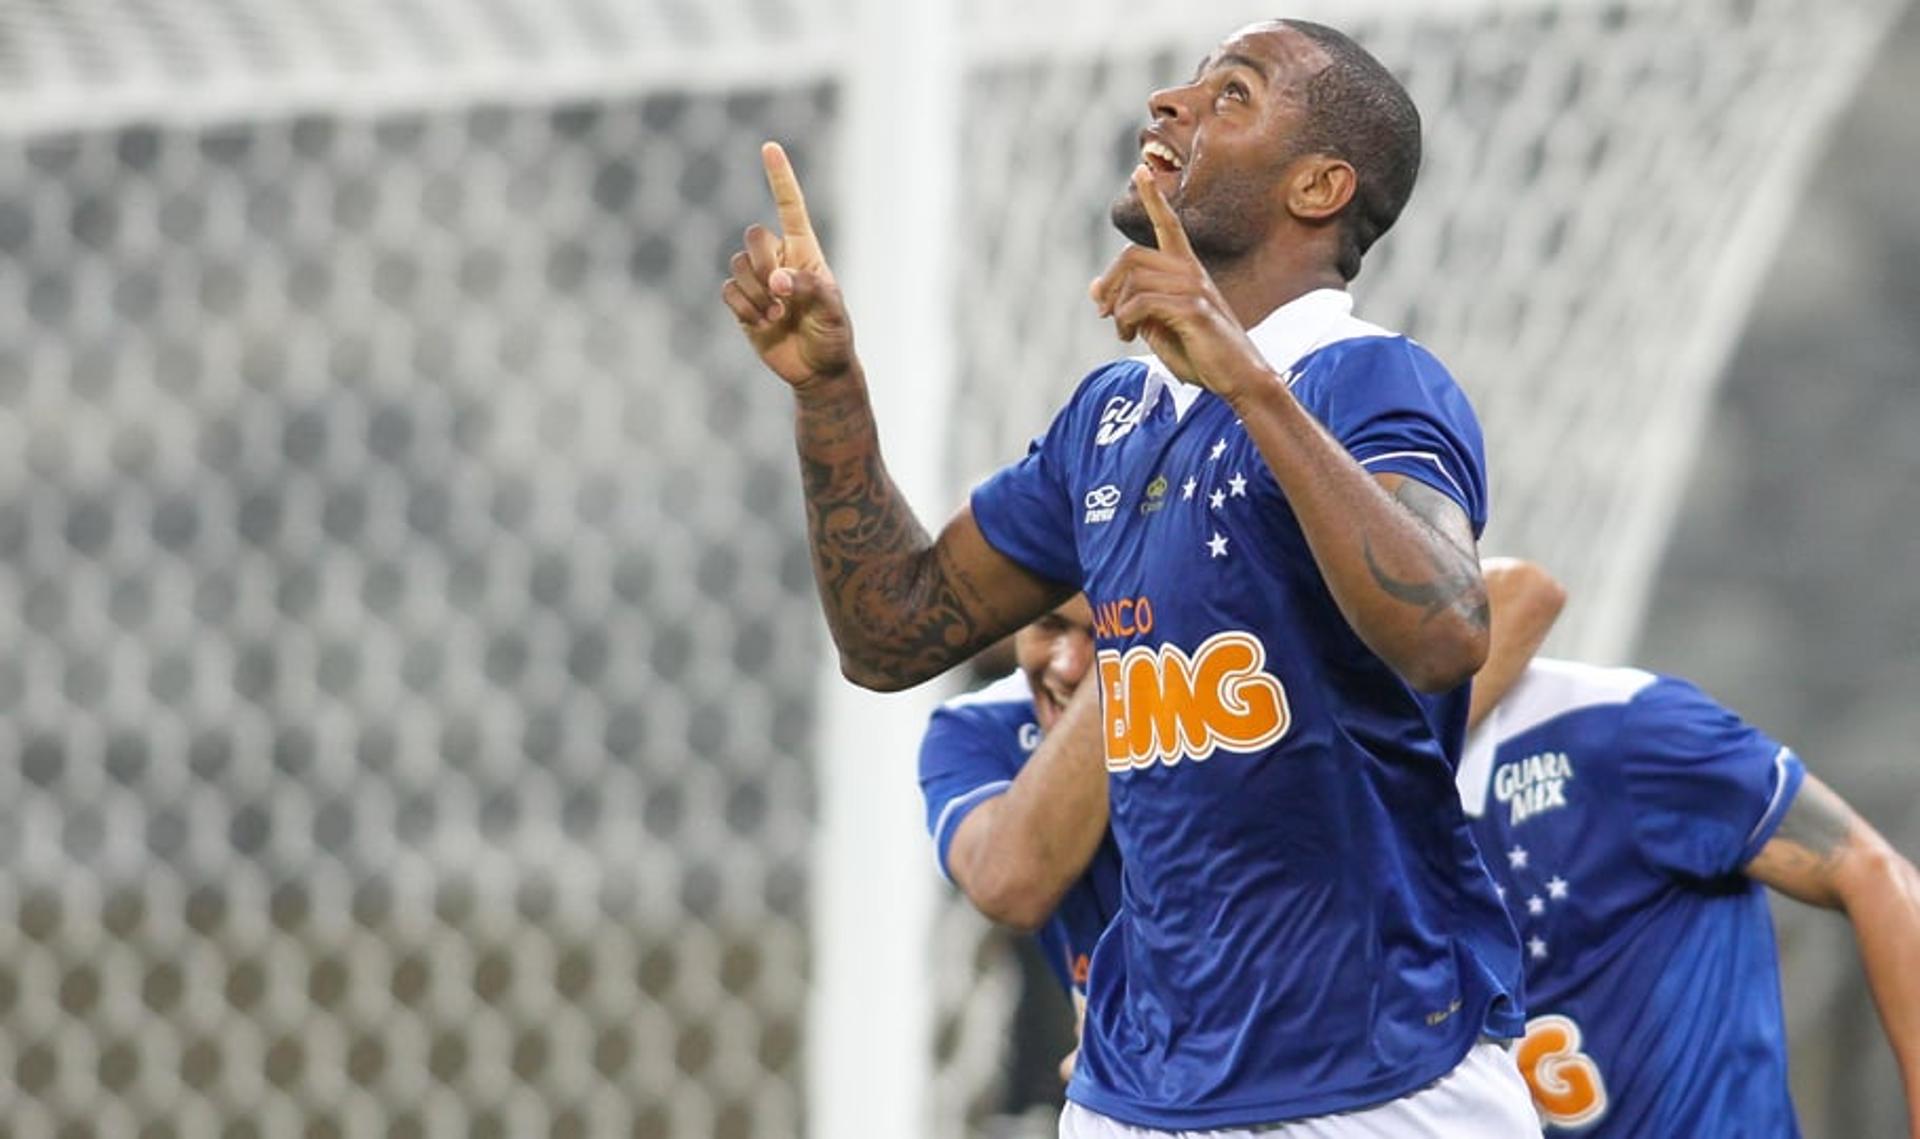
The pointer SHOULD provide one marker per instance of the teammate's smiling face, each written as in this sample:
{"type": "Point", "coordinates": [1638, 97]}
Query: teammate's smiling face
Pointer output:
{"type": "Point", "coordinates": [1220, 144]}
{"type": "Point", "coordinates": [1055, 653]}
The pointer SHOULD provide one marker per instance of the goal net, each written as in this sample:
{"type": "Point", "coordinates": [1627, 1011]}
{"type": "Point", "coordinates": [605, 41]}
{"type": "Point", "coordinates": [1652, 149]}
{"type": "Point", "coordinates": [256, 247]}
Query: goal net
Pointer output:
{"type": "Point", "coordinates": [411, 706]}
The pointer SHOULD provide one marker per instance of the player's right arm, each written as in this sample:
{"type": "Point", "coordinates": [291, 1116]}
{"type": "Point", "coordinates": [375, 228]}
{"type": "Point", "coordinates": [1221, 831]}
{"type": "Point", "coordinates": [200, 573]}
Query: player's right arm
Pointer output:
{"type": "Point", "coordinates": [1016, 855]}
{"type": "Point", "coordinates": [901, 607]}
{"type": "Point", "coordinates": [1826, 855]}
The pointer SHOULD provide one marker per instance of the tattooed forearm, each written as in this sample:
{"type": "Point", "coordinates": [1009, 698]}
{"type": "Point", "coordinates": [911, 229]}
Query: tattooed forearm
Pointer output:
{"type": "Point", "coordinates": [898, 611]}
{"type": "Point", "coordinates": [855, 515]}
{"type": "Point", "coordinates": [1448, 589]}
{"type": "Point", "coordinates": [1817, 826]}
{"type": "Point", "coordinates": [1453, 583]}
{"type": "Point", "coordinates": [1808, 856]}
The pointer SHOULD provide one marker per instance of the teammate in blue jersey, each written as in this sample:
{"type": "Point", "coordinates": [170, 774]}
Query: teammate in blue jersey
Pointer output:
{"type": "Point", "coordinates": [1632, 822]}
{"type": "Point", "coordinates": [1274, 516]}
{"type": "Point", "coordinates": [1016, 820]}
{"type": "Point", "coordinates": [1016, 795]}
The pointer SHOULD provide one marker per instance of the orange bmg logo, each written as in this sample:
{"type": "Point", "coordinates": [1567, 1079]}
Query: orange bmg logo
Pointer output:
{"type": "Point", "coordinates": [1164, 706]}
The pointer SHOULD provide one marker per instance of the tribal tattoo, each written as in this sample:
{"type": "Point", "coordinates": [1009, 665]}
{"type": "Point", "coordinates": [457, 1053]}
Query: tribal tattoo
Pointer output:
{"type": "Point", "coordinates": [1808, 854]}
{"type": "Point", "coordinates": [1456, 584]}
{"type": "Point", "coordinates": [1816, 827]}
{"type": "Point", "coordinates": [896, 605]}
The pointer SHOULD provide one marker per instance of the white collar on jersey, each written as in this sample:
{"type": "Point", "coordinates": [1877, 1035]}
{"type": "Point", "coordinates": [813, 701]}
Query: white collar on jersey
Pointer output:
{"type": "Point", "coordinates": [1288, 333]}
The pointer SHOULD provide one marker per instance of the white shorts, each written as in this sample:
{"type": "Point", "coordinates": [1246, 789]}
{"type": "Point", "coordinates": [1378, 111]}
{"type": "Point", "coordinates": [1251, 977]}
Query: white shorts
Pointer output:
{"type": "Point", "coordinates": [1484, 1098]}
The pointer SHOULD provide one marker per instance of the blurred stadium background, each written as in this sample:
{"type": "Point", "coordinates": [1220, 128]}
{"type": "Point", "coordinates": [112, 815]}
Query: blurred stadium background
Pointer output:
{"type": "Point", "coordinates": [414, 719]}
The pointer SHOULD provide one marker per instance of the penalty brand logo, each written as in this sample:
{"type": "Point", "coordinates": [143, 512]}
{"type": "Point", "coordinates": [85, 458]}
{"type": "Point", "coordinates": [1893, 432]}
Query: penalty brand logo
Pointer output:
{"type": "Point", "coordinates": [1101, 502]}
{"type": "Point", "coordinates": [1534, 785]}
{"type": "Point", "coordinates": [1118, 419]}
{"type": "Point", "coordinates": [1163, 706]}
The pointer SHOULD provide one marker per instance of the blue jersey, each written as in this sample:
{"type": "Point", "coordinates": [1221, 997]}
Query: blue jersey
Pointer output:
{"type": "Point", "coordinates": [974, 747]}
{"type": "Point", "coordinates": [1617, 809]}
{"type": "Point", "coordinates": [1305, 924]}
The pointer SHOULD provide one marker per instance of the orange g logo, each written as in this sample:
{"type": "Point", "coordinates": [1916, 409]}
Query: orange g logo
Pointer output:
{"type": "Point", "coordinates": [1565, 1082]}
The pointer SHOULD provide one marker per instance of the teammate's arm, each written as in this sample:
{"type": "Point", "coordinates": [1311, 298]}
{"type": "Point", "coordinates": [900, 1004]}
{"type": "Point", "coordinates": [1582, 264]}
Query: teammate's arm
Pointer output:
{"type": "Point", "coordinates": [1826, 855]}
{"type": "Point", "coordinates": [901, 607]}
{"type": "Point", "coordinates": [1016, 855]}
{"type": "Point", "coordinates": [1398, 556]}
{"type": "Point", "coordinates": [1524, 600]}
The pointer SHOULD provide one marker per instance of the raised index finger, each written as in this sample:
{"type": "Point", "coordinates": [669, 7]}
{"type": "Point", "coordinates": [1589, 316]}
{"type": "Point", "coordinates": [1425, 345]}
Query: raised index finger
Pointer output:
{"type": "Point", "coordinates": [1168, 234]}
{"type": "Point", "coordinates": [791, 204]}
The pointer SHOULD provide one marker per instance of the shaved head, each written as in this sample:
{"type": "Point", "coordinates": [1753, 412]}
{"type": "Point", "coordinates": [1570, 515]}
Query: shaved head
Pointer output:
{"type": "Point", "coordinates": [1356, 111]}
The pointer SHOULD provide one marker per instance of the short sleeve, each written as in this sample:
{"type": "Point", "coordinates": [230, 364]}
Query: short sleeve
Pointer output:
{"type": "Point", "coordinates": [1707, 789]}
{"type": "Point", "coordinates": [1396, 410]}
{"type": "Point", "coordinates": [1026, 510]}
{"type": "Point", "coordinates": [963, 763]}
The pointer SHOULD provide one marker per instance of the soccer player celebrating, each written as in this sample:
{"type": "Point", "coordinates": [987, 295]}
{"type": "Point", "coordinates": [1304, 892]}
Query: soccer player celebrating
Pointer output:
{"type": "Point", "coordinates": [1632, 821]}
{"type": "Point", "coordinates": [1274, 517]}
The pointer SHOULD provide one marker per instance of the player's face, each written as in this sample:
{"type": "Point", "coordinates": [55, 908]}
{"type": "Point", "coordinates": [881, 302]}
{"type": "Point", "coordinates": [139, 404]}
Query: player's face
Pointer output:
{"type": "Point", "coordinates": [1056, 653]}
{"type": "Point", "coordinates": [1219, 145]}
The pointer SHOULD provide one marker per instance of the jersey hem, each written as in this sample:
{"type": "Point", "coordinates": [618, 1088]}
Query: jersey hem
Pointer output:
{"type": "Point", "coordinates": [1284, 1111]}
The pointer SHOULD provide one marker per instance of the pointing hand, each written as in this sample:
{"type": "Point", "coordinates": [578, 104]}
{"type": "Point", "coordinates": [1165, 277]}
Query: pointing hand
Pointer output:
{"type": "Point", "coordinates": [782, 292]}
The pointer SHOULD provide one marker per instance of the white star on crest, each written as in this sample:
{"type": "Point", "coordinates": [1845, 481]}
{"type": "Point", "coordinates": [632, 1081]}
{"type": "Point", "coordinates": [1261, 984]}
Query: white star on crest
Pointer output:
{"type": "Point", "coordinates": [1216, 499]}
{"type": "Point", "coordinates": [1239, 484]}
{"type": "Point", "coordinates": [1517, 858]}
{"type": "Point", "coordinates": [1536, 905]}
{"type": "Point", "coordinates": [1217, 548]}
{"type": "Point", "coordinates": [1537, 948]}
{"type": "Point", "coordinates": [1186, 488]}
{"type": "Point", "coordinates": [1556, 887]}
{"type": "Point", "coordinates": [1219, 449]}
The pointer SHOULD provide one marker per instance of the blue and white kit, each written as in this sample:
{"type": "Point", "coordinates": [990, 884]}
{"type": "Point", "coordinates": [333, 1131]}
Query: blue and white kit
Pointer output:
{"type": "Point", "coordinates": [1618, 810]}
{"type": "Point", "coordinates": [974, 747]}
{"type": "Point", "coordinates": [1306, 926]}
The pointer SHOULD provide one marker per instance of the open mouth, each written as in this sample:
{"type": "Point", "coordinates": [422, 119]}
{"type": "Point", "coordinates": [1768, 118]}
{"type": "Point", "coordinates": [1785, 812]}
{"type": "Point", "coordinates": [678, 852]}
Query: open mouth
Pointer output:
{"type": "Point", "coordinates": [1161, 158]}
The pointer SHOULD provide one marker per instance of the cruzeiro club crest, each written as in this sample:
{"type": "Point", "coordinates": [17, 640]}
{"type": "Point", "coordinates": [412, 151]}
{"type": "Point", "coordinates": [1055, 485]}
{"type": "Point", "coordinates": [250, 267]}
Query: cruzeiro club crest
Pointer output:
{"type": "Point", "coordinates": [1156, 495]}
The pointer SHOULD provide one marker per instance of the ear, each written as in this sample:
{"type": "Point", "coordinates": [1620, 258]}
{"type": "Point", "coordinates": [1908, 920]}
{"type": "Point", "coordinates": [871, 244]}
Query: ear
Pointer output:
{"type": "Point", "coordinates": [1319, 186]}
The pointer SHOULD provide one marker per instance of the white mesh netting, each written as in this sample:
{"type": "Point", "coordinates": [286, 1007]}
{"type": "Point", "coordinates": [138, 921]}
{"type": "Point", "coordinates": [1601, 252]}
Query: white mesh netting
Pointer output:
{"type": "Point", "coordinates": [406, 722]}
{"type": "Point", "coordinates": [408, 688]}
